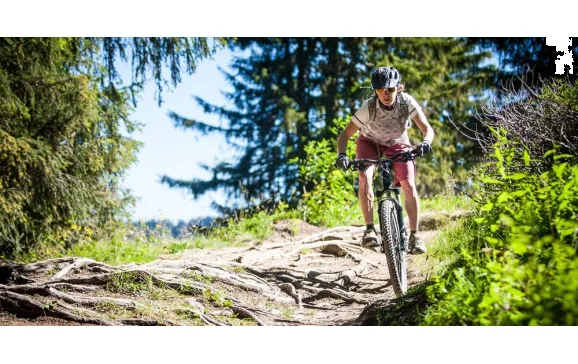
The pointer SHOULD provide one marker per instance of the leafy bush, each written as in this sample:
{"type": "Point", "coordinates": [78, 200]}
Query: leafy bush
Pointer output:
{"type": "Point", "coordinates": [517, 262]}
{"type": "Point", "coordinates": [331, 199]}
{"type": "Point", "coordinates": [522, 267]}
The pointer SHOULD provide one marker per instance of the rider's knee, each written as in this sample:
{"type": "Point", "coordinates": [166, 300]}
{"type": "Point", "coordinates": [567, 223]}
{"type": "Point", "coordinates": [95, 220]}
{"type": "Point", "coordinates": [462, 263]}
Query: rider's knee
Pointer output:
{"type": "Point", "coordinates": [365, 195]}
{"type": "Point", "coordinates": [365, 178]}
{"type": "Point", "coordinates": [409, 188]}
{"type": "Point", "coordinates": [366, 186]}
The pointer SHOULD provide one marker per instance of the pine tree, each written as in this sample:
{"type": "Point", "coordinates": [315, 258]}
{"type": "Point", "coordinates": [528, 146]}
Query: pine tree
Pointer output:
{"type": "Point", "coordinates": [62, 152]}
{"type": "Point", "coordinates": [288, 91]}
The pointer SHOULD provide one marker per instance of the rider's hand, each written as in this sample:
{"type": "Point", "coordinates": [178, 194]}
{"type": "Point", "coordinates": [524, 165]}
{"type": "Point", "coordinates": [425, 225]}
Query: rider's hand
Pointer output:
{"type": "Point", "coordinates": [342, 161]}
{"type": "Point", "coordinates": [423, 148]}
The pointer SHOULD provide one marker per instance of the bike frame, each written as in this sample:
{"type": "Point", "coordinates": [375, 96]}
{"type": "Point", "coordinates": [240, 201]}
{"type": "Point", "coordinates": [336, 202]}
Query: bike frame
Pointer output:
{"type": "Point", "coordinates": [384, 168]}
{"type": "Point", "coordinates": [384, 172]}
{"type": "Point", "coordinates": [389, 202]}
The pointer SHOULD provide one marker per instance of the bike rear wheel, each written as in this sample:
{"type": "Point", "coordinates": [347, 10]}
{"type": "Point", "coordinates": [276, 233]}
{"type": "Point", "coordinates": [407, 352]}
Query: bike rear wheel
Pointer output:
{"type": "Point", "coordinates": [391, 239]}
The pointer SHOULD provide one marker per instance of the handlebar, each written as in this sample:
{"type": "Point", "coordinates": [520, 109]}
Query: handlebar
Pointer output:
{"type": "Point", "coordinates": [406, 154]}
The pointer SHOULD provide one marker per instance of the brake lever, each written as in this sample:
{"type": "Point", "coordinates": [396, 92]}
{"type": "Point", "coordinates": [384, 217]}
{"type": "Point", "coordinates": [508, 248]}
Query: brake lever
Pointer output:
{"type": "Point", "coordinates": [409, 155]}
{"type": "Point", "coordinates": [353, 166]}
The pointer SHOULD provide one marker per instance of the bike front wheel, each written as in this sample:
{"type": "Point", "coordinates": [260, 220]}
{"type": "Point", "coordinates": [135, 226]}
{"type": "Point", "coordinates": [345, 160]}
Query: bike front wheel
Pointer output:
{"type": "Point", "coordinates": [393, 246]}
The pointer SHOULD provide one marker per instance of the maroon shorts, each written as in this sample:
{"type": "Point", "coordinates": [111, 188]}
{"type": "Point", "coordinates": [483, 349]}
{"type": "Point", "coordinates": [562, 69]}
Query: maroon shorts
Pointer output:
{"type": "Point", "coordinates": [404, 171]}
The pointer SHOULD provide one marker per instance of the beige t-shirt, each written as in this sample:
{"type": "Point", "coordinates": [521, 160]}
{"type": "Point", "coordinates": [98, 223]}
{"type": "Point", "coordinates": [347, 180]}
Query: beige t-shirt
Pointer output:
{"type": "Point", "coordinates": [389, 127]}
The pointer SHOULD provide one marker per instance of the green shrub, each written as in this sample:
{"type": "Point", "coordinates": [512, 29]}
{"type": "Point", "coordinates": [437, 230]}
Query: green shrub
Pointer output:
{"type": "Point", "coordinates": [518, 262]}
{"type": "Point", "coordinates": [522, 268]}
{"type": "Point", "coordinates": [330, 199]}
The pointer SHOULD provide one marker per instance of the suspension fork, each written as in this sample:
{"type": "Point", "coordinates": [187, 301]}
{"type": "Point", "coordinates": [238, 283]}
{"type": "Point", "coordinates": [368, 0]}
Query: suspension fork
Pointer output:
{"type": "Point", "coordinates": [400, 220]}
{"type": "Point", "coordinates": [387, 194]}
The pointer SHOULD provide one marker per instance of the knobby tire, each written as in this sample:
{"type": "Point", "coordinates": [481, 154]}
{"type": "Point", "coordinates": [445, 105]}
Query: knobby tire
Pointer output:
{"type": "Point", "coordinates": [391, 240]}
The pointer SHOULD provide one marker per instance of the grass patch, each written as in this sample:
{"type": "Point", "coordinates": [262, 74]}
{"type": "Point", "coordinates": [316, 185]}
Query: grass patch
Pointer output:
{"type": "Point", "coordinates": [287, 313]}
{"type": "Point", "coordinates": [113, 310]}
{"type": "Point", "coordinates": [340, 215]}
{"type": "Point", "coordinates": [176, 246]}
{"type": "Point", "coordinates": [447, 203]}
{"type": "Point", "coordinates": [196, 276]}
{"type": "Point", "coordinates": [238, 269]}
{"type": "Point", "coordinates": [139, 284]}
{"type": "Point", "coordinates": [187, 289]}
{"type": "Point", "coordinates": [448, 247]}
{"type": "Point", "coordinates": [134, 283]}
{"type": "Point", "coordinates": [117, 251]}
{"type": "Point", "coordinates": [293, 227]}
{"type": "Point", "coordinates": [217, 298]}
{"type": "Point", "coordinates": [235, 321]}
{"type": "Point", "coordinates": [190, 317]}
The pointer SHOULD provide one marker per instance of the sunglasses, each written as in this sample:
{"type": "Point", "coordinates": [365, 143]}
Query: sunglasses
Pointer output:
{"type": "Point", "coordinates": [389, 90]}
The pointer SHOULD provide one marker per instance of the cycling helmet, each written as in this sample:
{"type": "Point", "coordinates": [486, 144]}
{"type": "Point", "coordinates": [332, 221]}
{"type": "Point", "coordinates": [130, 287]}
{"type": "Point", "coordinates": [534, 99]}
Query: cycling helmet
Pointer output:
{"type": "Point", "coordinates": [383, 77]}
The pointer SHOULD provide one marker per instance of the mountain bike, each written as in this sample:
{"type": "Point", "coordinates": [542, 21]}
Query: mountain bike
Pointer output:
{"type": "Point", "coordinates": [394, 242]}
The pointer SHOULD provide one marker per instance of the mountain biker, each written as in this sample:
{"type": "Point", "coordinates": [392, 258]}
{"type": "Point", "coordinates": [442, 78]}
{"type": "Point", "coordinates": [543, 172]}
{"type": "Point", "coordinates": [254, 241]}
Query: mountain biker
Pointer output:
{"type": "Point", "coordinates": [384, 130]}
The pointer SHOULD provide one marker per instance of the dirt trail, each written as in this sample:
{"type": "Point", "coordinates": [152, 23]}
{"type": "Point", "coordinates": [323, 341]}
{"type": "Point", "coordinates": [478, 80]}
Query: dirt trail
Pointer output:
{"type": "Point", "coordinates": [301, 275]}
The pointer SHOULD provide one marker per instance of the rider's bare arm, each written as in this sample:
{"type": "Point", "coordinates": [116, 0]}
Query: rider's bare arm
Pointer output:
{"type": "Point", "coordinates": [343, 138]}
{"type": "Point", "coordinates": [421, 121]}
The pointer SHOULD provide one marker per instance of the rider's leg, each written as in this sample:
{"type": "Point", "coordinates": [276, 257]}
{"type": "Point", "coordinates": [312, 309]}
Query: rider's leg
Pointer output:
{"type": "Point", "coordinates": [366, 149]}
{"type": "Point", "coordinates": [365, 194]}
{"type": "Point", "coordinates": [416, 244]}
{"type": "Point", "coordinates": [411, 203]}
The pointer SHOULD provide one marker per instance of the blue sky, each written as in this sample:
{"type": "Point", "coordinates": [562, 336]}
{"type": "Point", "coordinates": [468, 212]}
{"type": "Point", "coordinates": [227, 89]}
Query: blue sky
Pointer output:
{"type": "Point", "coordinates": [177, 152]}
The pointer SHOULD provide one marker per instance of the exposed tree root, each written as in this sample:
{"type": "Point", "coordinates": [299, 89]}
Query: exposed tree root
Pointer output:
{"type": "Point", "coordinates": [320, 236]}
{"type": "Point", "coordinates": [74, 288]}
{"type": "Point", "coordinates": [67, 293]}
{"type": "Point", "coordinates": [26, 306]}
{"type": "Point", "coordinates": [290, 290]}
{"type": "Point", "coordinates": [243, 312]}
{"type": "Point", "coordinates": [199, 314]}
{"type": "Point", "coordinates": [9, 274]}
{"type": "Point", "coordinates": [77, 264]}
{"type": "Point", "coordinates": [141, 322]}
{"type": "Point", "coordinates": [333, 247]}
{"type": "Point", "coordinates": [48, 291]}
{"type": "Point", "coordinates": [308, 281]}
{"type": "Point", "coordinates": [331, 293]}
{"type": "Point", "coordinates": [348, 276]}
